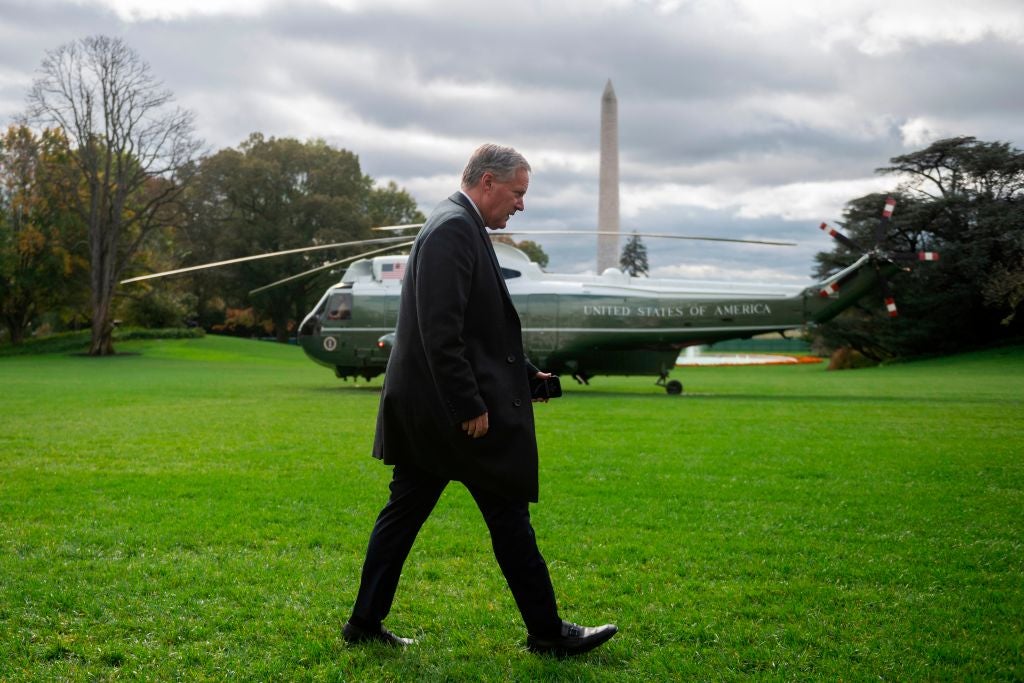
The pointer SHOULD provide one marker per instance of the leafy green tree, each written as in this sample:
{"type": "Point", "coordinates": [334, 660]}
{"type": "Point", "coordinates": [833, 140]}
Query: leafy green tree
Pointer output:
{"type": "Point", "coordinates": [533, 250]}
{"type": "Point", "coordinates": [975, 191]}
{"type": "Point", "coordinates": [273, 194]}
{"type": "Point", "coordinates": [390, 205]}
{"type": "Point", "coordinates": [965, 199]}
{"type": "Point", "coordinates": [634, 257]}
{"type": "Point", "coordinates": [40, 233]}
{"type": "Point", "coordinates": [132, 149]}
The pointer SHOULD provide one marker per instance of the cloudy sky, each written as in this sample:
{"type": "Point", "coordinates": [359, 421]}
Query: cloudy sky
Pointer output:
{"type": "Point", "coordinates": [737, 118]}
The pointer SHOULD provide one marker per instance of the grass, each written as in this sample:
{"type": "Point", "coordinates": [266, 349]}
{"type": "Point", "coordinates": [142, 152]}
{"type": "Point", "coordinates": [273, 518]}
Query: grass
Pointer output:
{"type": "Point", "coordinates": [78, 342]}
{"type": "Point", "coordinates": [199, 511]}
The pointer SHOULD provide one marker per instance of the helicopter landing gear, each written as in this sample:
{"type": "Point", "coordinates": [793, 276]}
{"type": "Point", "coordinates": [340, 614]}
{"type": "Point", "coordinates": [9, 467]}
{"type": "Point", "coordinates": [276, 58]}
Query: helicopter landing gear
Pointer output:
{"type": "Point", "coordinates": [673, 387]}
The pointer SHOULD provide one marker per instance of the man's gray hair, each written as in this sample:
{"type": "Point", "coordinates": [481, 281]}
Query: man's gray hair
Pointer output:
{"type": "Point", "coordinates": [502, 161]}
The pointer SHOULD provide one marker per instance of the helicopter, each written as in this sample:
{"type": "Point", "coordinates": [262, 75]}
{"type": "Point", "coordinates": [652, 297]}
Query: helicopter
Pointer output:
{"type": "Point", "coordinates": [582, 325]}
{"type": "Point", "coordinates": [588, 325]}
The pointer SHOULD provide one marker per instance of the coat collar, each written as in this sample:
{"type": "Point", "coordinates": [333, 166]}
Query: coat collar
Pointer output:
{"type": "Point", "coordinates": [464, 201]}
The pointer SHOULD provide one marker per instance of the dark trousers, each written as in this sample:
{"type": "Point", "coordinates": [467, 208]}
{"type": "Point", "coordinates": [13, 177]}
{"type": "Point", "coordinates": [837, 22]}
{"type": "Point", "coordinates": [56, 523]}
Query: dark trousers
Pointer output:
{"type": "Point", "coordinates": [413, 496]}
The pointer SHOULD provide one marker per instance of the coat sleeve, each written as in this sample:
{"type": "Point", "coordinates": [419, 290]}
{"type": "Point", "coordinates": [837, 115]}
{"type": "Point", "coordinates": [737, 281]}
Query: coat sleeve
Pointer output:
{"type": "Point", "coordinates": [445, 268]}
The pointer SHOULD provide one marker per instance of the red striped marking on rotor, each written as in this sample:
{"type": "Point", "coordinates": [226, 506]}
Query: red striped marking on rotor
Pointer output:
{"type": "Point", "coordinates": [831, 231]}
{"type": "Point", "coordinates": [890, 305]}
{"type": "Point", "coordinates": [830, 288]}
{"type": "Point", "coordinates": [928, 256]}
{"type": "Point", "coordinates": [890, 205]}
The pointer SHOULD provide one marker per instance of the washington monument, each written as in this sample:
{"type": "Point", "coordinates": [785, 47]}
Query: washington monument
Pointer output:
{"type": "Point", "coordinates": [608, 189]}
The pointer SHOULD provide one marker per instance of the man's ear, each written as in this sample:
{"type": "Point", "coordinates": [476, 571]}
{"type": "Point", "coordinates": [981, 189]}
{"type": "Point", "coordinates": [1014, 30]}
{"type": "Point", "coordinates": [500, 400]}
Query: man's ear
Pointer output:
{"type": "Point", "coordinates": [487, 181]}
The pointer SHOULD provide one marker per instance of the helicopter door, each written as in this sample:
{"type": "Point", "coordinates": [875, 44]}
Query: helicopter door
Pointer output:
{"type": "Point", "coordinates": [377, 317]}
{"type": "Point", "coordinates": [540, 325]}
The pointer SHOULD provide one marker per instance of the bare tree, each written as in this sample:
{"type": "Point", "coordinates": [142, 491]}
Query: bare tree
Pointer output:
{"type": "Point", "coordinates": [134, 151]}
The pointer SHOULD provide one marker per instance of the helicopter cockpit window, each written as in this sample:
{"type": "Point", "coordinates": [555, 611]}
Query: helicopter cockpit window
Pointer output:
{"type": "Point", "coordinates": [509, 274]}
{"type": "Point", "coordinates": [339, 306]}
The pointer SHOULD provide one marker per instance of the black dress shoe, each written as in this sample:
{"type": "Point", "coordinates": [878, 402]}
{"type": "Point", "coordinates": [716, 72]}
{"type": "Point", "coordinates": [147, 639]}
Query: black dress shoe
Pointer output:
{"type": "Point", "coordinates": [355, 635]}
{"type": "Point", "coordinates": [573, 640]}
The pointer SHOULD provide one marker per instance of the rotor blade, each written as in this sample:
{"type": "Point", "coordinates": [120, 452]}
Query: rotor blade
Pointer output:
{"type": "Point", "coordinates": [328, 266]}
{"type": "Point", "coordinates": [395, 228]}
{"type": "Point", "coordinates": [841, 238]}
{"type": "Point", "coordinates": [890, 206]}
{"type": "Point", "coordinates": [640, 234]}
{"type": "Point", "coordinates": [217, 264]}
{"type": "Point", "coordinates": [600, 232]}
{"type": "Point", "coordinates": [887, 298]}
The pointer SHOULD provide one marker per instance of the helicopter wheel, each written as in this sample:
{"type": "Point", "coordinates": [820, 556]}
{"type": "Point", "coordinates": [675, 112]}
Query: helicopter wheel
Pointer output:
{"type": "Point", "coordinates": [674, 387]}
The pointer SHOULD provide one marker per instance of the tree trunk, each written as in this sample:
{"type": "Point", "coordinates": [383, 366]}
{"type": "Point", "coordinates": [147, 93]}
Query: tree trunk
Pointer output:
{"type": "Point", "coordinates": [102, 343]}
{"type": "Point", "coordinates": [281, 328]}
{"type": "Point", "coordinates": [17, 321]}
{"type": "Point", "coordinates": [102, 339]}
{"type": "Point", "coordinates": [103, 283]}
{"type": "Point", "coordinates": [16, 330]}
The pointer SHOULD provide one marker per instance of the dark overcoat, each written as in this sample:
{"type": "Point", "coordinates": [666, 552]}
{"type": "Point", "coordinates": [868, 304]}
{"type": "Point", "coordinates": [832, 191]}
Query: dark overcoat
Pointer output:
{"type": "Point", "coordinates": [458, 353]}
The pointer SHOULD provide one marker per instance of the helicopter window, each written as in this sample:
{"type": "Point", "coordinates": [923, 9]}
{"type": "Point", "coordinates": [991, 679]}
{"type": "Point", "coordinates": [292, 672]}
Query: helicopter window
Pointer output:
{"type": "Point", "coordinates": [508, 273]}
{"type": "Point", "coordinates": [339, 306]}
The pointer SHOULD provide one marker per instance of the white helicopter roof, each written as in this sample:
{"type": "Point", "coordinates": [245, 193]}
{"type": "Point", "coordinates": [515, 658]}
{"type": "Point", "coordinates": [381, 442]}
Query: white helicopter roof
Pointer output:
{"type": "Point", "coordinates": [532, 279]}
{"type": "Point", "coordinates": [387, 270]}
{"type": "Point", "coordinates": [523, 276]}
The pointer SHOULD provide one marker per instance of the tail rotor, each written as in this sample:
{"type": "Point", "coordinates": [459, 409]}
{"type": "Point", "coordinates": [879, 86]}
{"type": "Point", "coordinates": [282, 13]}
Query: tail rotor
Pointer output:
{"type": "Point", "coordinates": [879, 257]}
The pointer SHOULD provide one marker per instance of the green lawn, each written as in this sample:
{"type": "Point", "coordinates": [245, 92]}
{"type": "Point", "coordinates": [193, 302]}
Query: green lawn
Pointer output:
{"type": "Point", "coordinates": [200, 510]}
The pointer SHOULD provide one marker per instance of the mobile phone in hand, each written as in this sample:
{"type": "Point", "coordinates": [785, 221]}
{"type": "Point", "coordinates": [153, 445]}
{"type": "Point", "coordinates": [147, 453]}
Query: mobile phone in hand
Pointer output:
{"type": "Point", "coordinates": [545, 388]}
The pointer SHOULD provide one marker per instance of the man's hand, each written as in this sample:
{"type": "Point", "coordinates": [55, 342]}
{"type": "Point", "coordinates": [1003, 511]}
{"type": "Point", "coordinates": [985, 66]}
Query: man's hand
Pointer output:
{"type": "Point", "coordinates": [541, 375]}
{"type": "Point", "coordinates": [476, 427]}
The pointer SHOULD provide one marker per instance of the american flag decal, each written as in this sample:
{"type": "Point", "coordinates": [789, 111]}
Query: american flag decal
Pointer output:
{"type": "Point", "coordinates": [392, 271]}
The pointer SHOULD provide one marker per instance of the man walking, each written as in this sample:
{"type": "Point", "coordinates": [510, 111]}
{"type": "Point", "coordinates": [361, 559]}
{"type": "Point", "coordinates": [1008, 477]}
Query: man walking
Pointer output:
{"type": "Point", "coordinates": [456, 406]}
